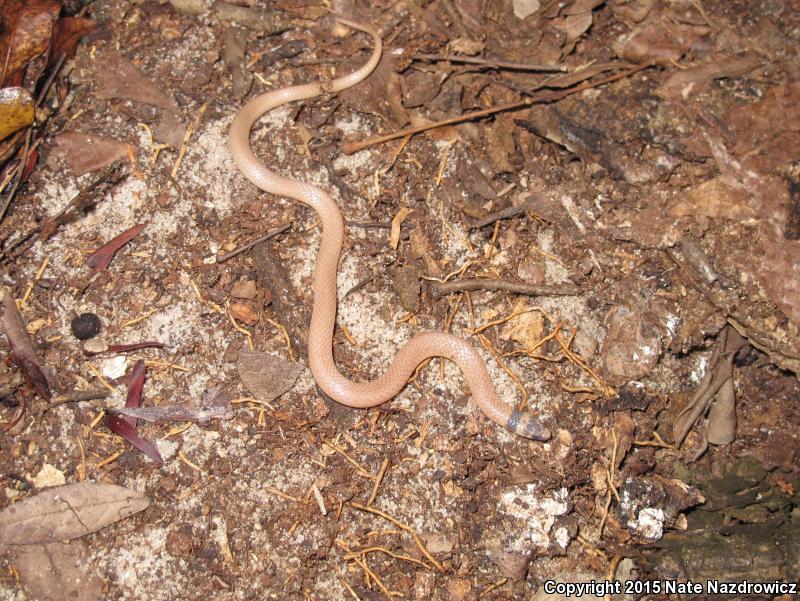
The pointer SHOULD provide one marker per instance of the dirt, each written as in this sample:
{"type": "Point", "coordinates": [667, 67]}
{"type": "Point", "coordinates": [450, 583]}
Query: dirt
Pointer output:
{"type": "Point", "coordinates": [668, 209]}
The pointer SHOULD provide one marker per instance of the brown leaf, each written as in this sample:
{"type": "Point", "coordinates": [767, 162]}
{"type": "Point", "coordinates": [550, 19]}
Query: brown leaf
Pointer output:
{"type": "Point", "coordinates": [632, 345]}
{"type": "Point", "coordinates": [27, 27]}
{"type": "Point", "coordinates": [713, 198]}
{"type": "Point", "coordinates": [266, 376]}
{"type": "Point", "coordinates": [660, 39]}
{"type": "Point", "coordinates": [722, 415]}
{"type": "Point", "coordinates": [116, 77]}
{"type": "Point", "coordinates": [66, 512]}
{"type": "Point", "coordinates": [16, 110]}
{"type": "Point", "coordinates": [67, 33]}
{"type": "Point", "coordinates": [22, 351]}
{"type": "Point", "coordinates": [101, 258]}
{"type": "Point", "coordinates": [573, 26]}
{"type": "Point", "coordinates": [58, 571]}
{"type": "Point", "coordinates": [89, 152]}
{"type": "Point", "coordinates": [380, 94]}
{"type": "Point", "coordinates": [690, 82]}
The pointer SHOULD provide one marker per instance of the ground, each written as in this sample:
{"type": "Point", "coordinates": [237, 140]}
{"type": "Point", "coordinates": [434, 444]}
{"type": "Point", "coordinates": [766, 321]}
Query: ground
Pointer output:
{"type": "Point", "coordinates": [657, 214]}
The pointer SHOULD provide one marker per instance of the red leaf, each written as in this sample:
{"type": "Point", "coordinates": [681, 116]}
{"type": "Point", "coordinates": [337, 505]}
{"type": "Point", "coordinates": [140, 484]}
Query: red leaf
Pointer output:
{"type": "Point", "coordinates": [23, 352]}
{"type": "Point", "coordinates": [135, 387]}
{"type": "Point", "coordinates": [119, 426]}
{"type": "Point", "coordinates": [33, 157]}
{"type": "Point", "coordinates": [101, 258]}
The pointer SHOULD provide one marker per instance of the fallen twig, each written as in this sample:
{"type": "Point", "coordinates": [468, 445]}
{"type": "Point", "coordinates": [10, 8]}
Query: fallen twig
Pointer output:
{"type": "Point", "coordinates": [270, 234]}
{"type": "Point", "coordinates": [507, 213]}
{"type": "Point", "coordinates": [440, 289]}
{"type": "Point", "coordinates": [351, 146]}
{"type": "Point", "coordinates": [488, 63]}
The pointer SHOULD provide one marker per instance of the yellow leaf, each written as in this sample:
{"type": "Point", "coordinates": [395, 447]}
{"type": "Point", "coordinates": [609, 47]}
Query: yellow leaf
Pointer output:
{"type": "Point", "coordinates": [16, 110]}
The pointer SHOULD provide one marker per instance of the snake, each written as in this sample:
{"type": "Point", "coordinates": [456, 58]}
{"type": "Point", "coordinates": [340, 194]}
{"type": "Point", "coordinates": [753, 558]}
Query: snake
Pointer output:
{"type": "Point", "coordinates": [422, 346]}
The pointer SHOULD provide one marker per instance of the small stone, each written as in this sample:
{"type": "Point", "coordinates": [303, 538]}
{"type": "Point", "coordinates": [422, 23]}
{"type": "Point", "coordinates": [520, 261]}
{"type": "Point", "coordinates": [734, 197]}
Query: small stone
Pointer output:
{"type": "Point", "coordinates": [244, 289]}
{"type": "Point", "coordinates": [245, 313]}
{"type": "Point", "coordinates": [191, 7]}
{"type": "Point", "coordinates": [168, 485]}
{"type": "Point", "coordinates": [114, 367]}
{"type": "Point", "coordinates": [49, 476]}
{"type": "Point", "coordinates": [439, 543]}
{"type": "Point", "coordinates": [525, 8]}
{"type": "Point", "coordinates": [96, 345]}
{"type": "Point", "coordinates": [85, 326]}
{"type": "Point", "coordinates": [180, 542]}
{"type": "Point", "coordinates": [459, 588]}
{"type": "Point", "coordinates": [423, 585]}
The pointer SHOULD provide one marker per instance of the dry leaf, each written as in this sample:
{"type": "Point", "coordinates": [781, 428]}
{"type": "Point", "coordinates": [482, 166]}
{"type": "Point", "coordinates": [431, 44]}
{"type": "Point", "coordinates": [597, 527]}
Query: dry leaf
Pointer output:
{"type": "Point", "coordinates": [23, 353]}
{"type": "Point", "coordinates": [394, 238]}
{"type": "Point", "coordinates": [58, 572]}
{"type": "Point", "coordinates": [722, 415]}
{"type": "Point", "coordinates": [67, 512]}
{"type": "Point", "coordinates": [116, 77]}
{"type": "Point", "coordinates": [690, 82]}
{"type": "Point", "coordinates": [100, 259]}
{"type": "Point", "coordinates": [16, 110]}
{"type": "Point", "coordinates": [713, 198]}
{"type": "Point", "coordinates": [123, 428]}
{"type": "Point", "coordinates": [526, 328]}
{"type": "Point", "coordinates": [88, 152]}
{"type": "Point", "coordinates": [266, 376]}
{"type": "Point", "coordinates": [27, 27]}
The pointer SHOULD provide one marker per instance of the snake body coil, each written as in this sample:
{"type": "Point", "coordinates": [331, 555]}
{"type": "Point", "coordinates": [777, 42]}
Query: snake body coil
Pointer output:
{"type": "Point", "coordinates": [323, 317]}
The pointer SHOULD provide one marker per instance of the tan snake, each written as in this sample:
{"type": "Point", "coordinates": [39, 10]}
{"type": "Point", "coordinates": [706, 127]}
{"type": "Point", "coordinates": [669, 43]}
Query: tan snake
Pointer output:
{"type": "Point", "coordinates": [323, 316]}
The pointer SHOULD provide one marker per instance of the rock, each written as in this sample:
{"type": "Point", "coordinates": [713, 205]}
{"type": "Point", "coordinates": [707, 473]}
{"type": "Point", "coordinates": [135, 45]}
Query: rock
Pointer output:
{"type": "Point", "coordinates": [513, 566]}
{"type": "Point", "coordinates": [458, 588]}
{"type": "Point", "coordinates": [85, 326]}
{"type": "Point", "coordinates": [245, 289]}
{"type": "Point", "coordinates": [245, 313]}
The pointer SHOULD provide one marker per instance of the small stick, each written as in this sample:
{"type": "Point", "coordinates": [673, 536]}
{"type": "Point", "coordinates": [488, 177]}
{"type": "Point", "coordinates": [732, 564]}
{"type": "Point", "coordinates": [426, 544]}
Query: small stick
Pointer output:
{"type": "Point", "coordinates": [488, 63]}
{"type": "Point", "coordinates": [507, 213]}
{"type": "Point", "coordinates": [78, 396]}
{"type": "Point", "coordinates": [440, 289]}
{"type": "Point", "coordinates": [351, 146]}
{"type": "Point", "coordinates": [378, 480]}
{"type": "Point", "coordinates": [319, 498]}
{"type": "Point", "coordinates": [270, 234]}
